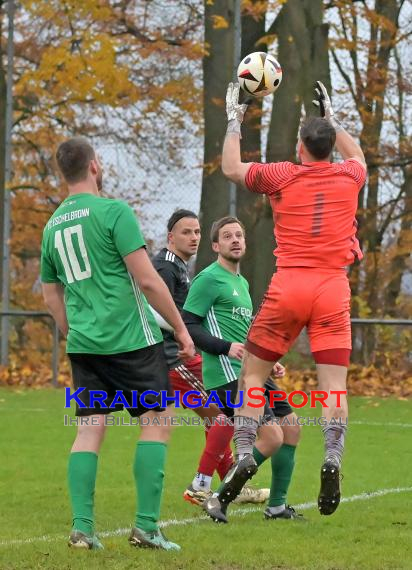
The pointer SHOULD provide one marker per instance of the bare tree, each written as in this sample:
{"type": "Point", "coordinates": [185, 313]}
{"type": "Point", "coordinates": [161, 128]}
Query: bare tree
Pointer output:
{"type": "Point", "coordinates": [369, 32]}
{"type": "Point", "coordinates": [302, 40]}
{"type": "Point", "coordinates": [217, 73]}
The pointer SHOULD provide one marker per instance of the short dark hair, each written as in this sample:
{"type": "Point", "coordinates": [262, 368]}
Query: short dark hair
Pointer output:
{"type": "Point", "coordinates": [178, 215]}
{"type": "Point", "coordinates": [73, 159]}
{"type": "Point", "coordinates": [318, 136]}
{"type": "Point", "coordinates": [218, 225]}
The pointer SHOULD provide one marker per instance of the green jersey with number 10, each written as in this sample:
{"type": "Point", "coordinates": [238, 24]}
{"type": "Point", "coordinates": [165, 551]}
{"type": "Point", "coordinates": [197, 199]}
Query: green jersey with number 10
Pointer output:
{"type": "Point", "coordinates": [83, 247]}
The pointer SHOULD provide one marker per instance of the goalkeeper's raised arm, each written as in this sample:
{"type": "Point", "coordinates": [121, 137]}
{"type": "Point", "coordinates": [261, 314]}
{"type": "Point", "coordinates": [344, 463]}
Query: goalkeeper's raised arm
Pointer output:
{"type": "Point", "coordinates": [345, 143]}
{"type": "Point", "coordinates": [232, 165]}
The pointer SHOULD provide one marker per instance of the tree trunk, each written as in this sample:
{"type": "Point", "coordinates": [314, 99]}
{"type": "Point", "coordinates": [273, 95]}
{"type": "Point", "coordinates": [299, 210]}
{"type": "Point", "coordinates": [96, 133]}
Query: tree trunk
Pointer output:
{"type": "Point", "coordinates": [383, 34]}
{"type": "Point", "coordinates": [304, 58]}
{"type": "Point", "coordinates": [217, 73]}
{"type": "Point", "coordinates": [383, 37]}
{"type": "Point", "coordinates": [309, 36]}
{"type": "Point", "coordinates": [281, 145]}
{"type": "Point", "coordinates": [303, 54]}
{"type": "Point", "coordinates": [251, 206]}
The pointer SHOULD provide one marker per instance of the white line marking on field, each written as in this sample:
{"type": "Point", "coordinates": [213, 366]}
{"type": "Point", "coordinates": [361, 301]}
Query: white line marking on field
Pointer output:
{"type": "Point", "coordinates": [183, 522]}
{"type": "Point", "coordinates": [380, 424]}
{"type": "Point", "coordinates": [13, 410]}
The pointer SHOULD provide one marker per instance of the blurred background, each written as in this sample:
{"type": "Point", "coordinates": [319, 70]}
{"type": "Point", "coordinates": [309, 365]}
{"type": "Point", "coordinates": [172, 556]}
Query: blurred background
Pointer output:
{"type": "Point", "coordinates": [145, 81]}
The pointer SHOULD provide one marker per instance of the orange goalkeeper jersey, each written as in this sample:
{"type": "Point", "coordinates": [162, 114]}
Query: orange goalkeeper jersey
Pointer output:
{"type": "Point", "coordinates": [314, 207]}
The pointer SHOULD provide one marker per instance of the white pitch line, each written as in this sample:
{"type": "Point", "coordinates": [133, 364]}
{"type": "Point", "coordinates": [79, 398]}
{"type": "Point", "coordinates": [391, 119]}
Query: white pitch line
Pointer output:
{"type": "Point", "coordinates": [13, 410]}
{"type": "Point", "coordinates": [379, 424]}
{"type": "Point", "coordinates": [237, 512]}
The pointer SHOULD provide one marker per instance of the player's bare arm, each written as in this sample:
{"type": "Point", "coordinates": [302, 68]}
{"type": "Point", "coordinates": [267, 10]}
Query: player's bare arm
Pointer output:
{"type": "Point", "coordinates": [157, 293]}
{"type": "Point", "coordinates": [232, 165]}
{"type": "Point", "coordinates": [345, 143]}
{"type": "Point", "coordinates": [53, 295]}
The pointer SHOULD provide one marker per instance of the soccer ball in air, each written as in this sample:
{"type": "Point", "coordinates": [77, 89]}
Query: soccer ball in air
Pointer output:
{"type": "Point", "coordinates": [259, 74]}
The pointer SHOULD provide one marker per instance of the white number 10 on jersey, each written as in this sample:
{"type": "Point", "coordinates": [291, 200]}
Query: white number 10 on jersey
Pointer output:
{"type": "Point", "coordinates": [71, 264]}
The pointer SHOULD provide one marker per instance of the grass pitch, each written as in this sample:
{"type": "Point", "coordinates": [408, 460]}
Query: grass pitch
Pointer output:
{"type": "Point", "coordinates": [373, 529]}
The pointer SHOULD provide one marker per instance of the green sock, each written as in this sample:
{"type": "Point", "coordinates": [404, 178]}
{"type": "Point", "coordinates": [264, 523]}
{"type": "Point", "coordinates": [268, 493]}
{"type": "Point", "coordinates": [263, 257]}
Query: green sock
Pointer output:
{"type": "Point", "coordinates": [258, 457]}
{"type": "Point", "coordinates": [149, 473]}
{"type": "Point", "coordinates": [82, 480]}
{"type": "Point", "coordinates": [283, 463]}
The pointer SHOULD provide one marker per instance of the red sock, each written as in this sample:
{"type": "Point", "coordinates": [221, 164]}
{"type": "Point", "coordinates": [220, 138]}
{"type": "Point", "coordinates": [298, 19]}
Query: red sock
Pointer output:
{"type": "Point", "coordinates": [227, 460]}
{"type": "Point", "coordinates": [217, 441]}
{"type": "Point", "coordinates": [207, 428]}
{"type": "Point", "coordinates": [225, 463]}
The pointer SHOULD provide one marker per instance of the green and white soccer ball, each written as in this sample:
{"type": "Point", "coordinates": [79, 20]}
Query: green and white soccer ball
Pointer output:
{"type": "Point", "coordinates": [259, 74]}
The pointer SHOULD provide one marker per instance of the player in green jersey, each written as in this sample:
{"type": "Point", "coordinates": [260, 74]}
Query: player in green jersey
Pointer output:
{"type": "Point", "coordinates": [218, 312]}
{"type": "Point", "coordinates": [171, 263]}
{"type": "Point", "coordinates": [96, 275]}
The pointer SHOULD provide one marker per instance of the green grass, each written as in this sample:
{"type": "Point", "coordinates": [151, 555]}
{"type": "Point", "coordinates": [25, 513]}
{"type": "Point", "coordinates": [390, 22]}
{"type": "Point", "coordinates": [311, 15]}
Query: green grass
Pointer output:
{"type": "Point", "coordinates": [374, 533]}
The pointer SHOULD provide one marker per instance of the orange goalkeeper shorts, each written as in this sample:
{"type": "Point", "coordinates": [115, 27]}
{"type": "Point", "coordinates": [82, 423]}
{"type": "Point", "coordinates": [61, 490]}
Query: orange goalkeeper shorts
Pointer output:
{"type": "Point", "coordinates": [297, 297]}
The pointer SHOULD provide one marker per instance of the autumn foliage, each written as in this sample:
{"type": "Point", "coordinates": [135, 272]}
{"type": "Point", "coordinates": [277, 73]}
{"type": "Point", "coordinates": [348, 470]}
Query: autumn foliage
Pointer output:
{"type": "Point", "coordinates": [130, 72]}
{"type": "Point", "coordinates": [362, 381]}
{"type": "Point", "coordinates": [102, 70]}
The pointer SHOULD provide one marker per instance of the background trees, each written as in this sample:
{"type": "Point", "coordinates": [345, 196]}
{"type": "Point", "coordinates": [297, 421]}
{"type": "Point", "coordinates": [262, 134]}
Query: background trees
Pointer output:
{"type": "Point", "coordinates": [369, 46]}
{"type": "Point", "coordinates": [146, 82]}
{"type": "Point", "coordinates": [114, 72]}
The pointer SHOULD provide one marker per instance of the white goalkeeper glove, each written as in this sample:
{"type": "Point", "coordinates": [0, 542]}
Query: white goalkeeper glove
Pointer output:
{"type": "Point", "coordinates": [323, 103]}
{"type": "Point", "coordinates": [234, 111]}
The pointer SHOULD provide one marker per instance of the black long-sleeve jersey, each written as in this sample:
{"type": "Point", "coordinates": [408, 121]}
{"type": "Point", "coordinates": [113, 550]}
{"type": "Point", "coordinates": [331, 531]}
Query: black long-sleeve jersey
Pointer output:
{"type": "Point", "coordinates": [174, 272]}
